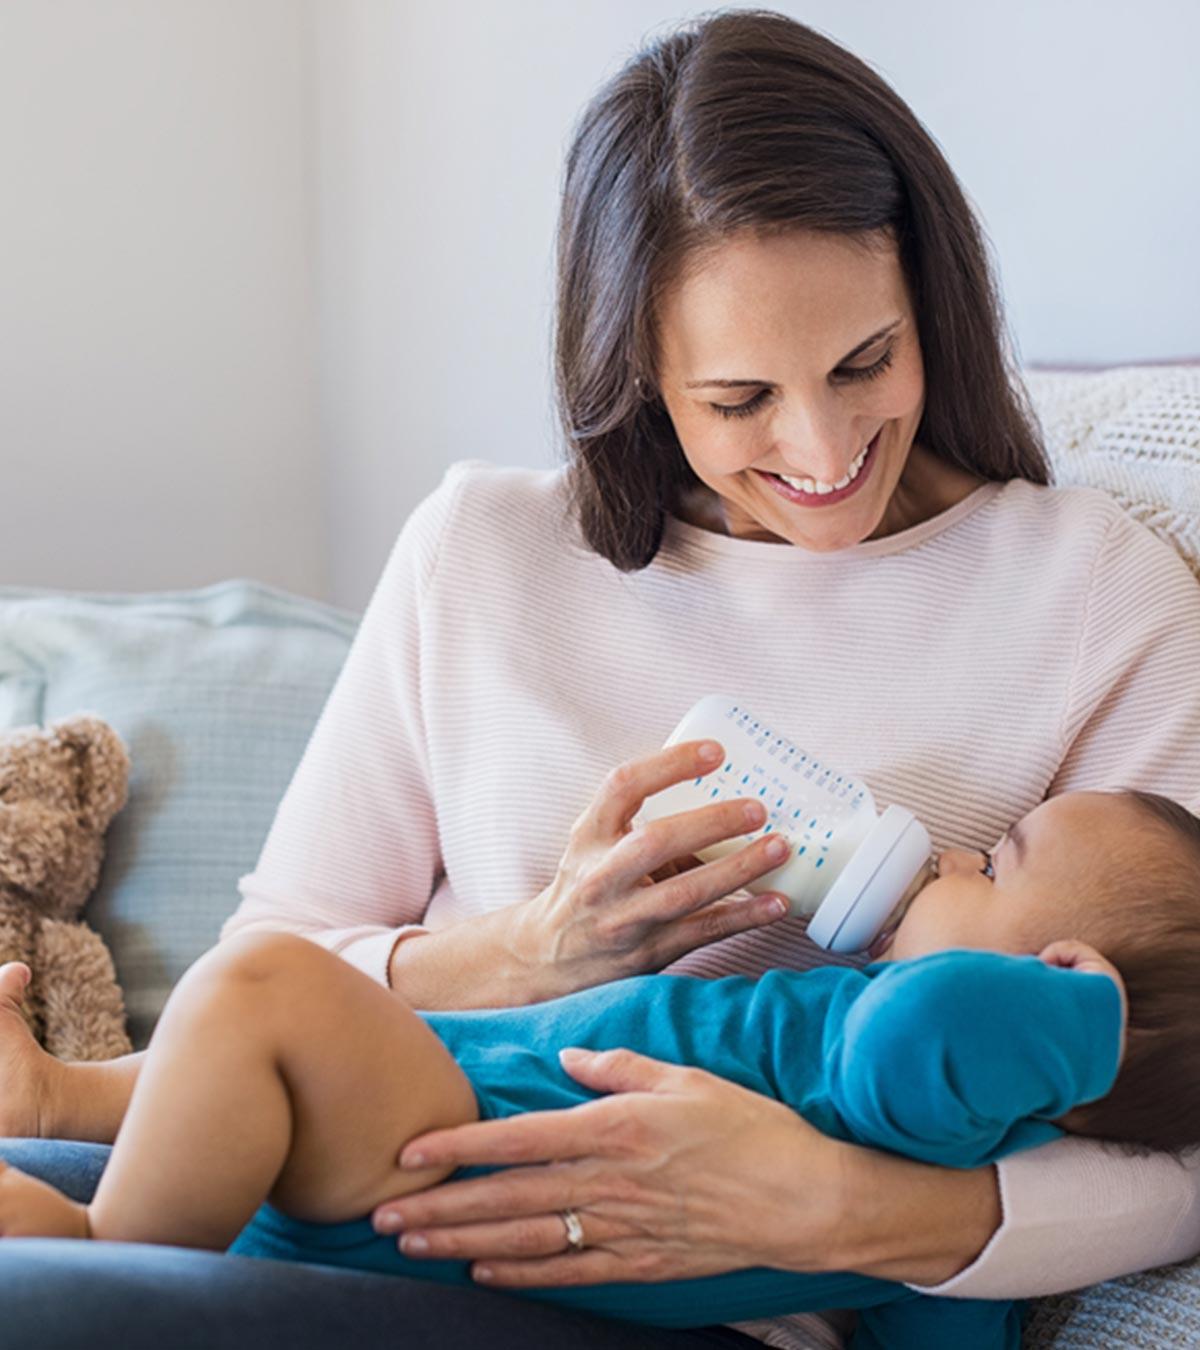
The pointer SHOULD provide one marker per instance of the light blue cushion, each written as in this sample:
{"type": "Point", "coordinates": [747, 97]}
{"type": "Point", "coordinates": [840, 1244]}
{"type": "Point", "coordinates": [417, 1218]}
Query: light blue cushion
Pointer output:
{"type": "Point", "coordinates": [214, 692]}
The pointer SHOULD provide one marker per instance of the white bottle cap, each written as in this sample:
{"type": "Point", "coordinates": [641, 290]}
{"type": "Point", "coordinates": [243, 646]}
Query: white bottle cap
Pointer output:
{"type": "Point", "coordinates": [871, 883]}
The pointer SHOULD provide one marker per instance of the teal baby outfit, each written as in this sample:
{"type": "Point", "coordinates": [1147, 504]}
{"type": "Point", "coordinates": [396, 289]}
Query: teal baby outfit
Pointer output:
{"type": "Point", "coordinates": [956, 1058]}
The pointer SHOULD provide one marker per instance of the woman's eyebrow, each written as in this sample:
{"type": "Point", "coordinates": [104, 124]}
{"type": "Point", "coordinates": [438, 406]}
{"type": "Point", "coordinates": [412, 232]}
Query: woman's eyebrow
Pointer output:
{"type": "Point", "coordinates": [850, 355]}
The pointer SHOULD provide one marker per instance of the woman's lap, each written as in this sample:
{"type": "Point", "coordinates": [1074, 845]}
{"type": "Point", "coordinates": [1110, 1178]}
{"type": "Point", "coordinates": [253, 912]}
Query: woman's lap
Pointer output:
{"type": "Point", "coordinates": [58, 1294]}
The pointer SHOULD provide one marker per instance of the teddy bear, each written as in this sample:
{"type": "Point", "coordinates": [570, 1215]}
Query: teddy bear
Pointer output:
{"type": "Point", "coordinates": [59, 789]}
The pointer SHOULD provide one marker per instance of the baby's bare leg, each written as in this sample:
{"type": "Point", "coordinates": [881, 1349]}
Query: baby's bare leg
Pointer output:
{"type": "Point", "coordinates": [277, 1071]}
{"type": "Point", "coordinates": [88, 1099]}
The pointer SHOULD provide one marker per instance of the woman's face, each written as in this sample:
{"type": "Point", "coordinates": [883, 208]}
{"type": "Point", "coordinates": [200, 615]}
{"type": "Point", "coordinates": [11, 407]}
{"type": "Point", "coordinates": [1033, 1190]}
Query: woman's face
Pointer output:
{"type": "Point", "coordinates": [798, 354]}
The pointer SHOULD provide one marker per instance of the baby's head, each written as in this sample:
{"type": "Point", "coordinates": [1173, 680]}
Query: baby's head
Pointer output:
{"type": "Point", "coordinates": [1120, 872]}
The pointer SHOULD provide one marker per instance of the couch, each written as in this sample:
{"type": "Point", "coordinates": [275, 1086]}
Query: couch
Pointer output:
{"type": "Point", "coordinates": [215, 692]}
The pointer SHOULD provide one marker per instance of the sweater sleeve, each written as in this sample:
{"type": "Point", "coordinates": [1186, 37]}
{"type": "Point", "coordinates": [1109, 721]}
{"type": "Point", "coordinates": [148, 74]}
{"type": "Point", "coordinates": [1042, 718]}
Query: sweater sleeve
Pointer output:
{"type": "Point", "coordinates": [352, 856]}
{"type": "Point", "coordinates": [1077, 1211]}
{"type": "Point", "coordinates": [1132, 717]}
{"type": "Point", "coordinates": [961, 1056]}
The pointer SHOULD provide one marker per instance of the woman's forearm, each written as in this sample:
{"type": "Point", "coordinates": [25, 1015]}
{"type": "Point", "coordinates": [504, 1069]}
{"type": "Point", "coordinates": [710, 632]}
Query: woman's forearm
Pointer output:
{"type": "Point", "coordinates": [487, 961]}
{"type": "Point", "coordinates": [909, 1221]}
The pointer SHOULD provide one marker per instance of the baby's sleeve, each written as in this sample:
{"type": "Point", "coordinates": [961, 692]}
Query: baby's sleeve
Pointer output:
{"type": "Point", "coordinates": [960, 1057]}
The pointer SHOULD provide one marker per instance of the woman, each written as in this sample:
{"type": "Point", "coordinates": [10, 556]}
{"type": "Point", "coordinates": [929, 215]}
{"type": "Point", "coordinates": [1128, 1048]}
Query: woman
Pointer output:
{"type": "Point", "coordinates": [799, 472]}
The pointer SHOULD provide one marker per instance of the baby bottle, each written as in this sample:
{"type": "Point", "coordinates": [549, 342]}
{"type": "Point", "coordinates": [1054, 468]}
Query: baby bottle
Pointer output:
{"type": "Point", "coordinates": [852, 869]}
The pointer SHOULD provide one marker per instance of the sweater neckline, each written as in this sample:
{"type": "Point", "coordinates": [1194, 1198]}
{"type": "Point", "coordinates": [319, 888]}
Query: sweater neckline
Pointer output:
{"type": "Point", "coordinates": [694, 538]}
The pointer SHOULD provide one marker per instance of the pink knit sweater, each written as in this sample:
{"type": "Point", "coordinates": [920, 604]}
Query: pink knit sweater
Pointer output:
{"type": "Point", "coordinates": [1027, 641]}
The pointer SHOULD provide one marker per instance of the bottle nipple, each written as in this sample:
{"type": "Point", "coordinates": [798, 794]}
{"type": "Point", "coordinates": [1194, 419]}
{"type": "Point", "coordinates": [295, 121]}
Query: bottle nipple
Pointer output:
{"type": "Point", "coordinates": [927, 873]}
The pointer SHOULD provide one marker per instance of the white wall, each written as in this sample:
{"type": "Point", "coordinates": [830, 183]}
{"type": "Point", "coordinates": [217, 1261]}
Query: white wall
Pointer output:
{"type": "Point", "coordinates": [157, 357]}
{"type": "Point", "coordinates": [168, 414]}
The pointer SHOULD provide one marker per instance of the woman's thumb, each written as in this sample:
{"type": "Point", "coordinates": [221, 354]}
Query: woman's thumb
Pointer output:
{"type": "Point", "coordinates": [615, 1070]}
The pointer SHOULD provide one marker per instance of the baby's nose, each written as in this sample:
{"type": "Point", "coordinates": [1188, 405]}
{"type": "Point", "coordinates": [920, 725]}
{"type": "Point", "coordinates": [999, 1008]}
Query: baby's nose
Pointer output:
{"type": "Point", "coordinates": [959, 860]}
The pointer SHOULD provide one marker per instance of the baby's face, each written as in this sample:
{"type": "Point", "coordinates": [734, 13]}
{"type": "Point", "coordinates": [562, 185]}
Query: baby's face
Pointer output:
{"type": "Point", "coordinates": [1036, 889]}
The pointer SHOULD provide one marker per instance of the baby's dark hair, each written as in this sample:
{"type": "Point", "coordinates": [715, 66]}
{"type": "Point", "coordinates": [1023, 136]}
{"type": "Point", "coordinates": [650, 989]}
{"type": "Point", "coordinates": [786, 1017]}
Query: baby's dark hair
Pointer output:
{"type": "Point", "coordinates": [1154, 914]}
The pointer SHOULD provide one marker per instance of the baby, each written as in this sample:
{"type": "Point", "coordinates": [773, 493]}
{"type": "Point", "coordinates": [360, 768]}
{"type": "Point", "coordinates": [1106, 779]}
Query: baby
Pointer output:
{"type": "Point", "coordinates": [989, 1022]}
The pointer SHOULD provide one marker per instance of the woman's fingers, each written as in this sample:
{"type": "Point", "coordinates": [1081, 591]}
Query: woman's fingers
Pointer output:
{"type": "Point", "coordinates": [535, 1136]}
{"type": "Point", "coordinates": [618, 886]}
{"type": "Point", "coordinates": [640, 853]}
{"type": "Point", "coordinates": [539, 1240]}
{"type": "Point", "coordinates": [538, 1235]}
{"type": "Point", "coordinates": [595, 1131]}
{"type": "Point", "coordinates": [586, 1267]}
{"type": "Point", "coordinates": [714, 921]}
{"type": "Point", "coordinates": [659, 1196]}
{"type": "Point", "coordinates": [629, 784]}
{"type": "Point", "coordinates": [491, 1200]}
{"type": "Point", "coordinates": [689, 891]}
{"type": "Point", "coordinates": [624, 1070]}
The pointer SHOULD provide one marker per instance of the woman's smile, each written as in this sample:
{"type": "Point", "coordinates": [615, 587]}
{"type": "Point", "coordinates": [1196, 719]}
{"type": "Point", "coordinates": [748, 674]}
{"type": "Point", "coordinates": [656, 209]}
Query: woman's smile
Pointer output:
{"type": "Point", "coordinates": [810, 492]}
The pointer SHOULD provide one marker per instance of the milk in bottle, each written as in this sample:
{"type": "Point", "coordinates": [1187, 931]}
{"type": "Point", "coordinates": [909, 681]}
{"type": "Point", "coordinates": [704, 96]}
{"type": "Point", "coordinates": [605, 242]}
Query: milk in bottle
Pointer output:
{"type": "Point", "coordinates": [851, 869]}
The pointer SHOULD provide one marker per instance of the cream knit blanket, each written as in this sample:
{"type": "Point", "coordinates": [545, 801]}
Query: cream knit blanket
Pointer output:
{"type": "Point", "coordinates": [1135, 432]}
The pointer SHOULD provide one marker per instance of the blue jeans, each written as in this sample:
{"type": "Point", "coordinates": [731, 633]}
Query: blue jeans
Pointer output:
{"type": "Point", "coordinates": [59, 1295]}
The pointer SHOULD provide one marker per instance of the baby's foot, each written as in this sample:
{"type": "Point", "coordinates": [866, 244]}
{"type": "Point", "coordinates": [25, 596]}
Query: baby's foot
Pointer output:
{"type": "Point", "coordinates": [31, 1208]}
{"type": "Point", "coordinates": [23, 1062]}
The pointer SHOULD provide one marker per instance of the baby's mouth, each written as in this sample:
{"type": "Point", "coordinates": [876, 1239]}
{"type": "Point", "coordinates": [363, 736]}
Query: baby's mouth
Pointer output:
{"type": "Point", "coordinates": [882, 942]}
{"type": "Point", "coordinates": [891, 924]}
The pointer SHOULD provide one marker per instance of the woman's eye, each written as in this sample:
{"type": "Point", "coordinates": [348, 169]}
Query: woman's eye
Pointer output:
{"type": "Point", "coordinates": [741, 409]}
{"type": "Point", "coordinates": [850, 373]}
{"type": "Point", "coordinates": [870, 372]}
{"type": "Point", "coordinates": [988, 869]}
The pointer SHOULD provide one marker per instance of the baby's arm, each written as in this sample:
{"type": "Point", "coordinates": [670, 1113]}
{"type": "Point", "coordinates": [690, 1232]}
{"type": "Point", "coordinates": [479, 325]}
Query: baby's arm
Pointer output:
{"type": "Point", "coordinates": [960, 1057]}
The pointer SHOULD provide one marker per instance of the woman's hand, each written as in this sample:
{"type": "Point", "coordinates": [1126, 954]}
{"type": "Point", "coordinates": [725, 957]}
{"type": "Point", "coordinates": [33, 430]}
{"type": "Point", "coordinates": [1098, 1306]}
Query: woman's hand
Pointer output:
{"type": "Point", "coordinates": [627, 900]}
{"type": "Point", "coordinates": [678, 1173]}
{"type": "Point", "coordinates": [624, 900]}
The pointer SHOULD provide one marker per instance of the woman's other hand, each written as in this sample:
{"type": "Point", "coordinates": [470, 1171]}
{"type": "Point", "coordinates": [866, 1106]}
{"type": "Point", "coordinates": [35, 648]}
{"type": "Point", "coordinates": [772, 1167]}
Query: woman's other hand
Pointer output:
{"type": "Point", "coordinates": [629, 899]}
{"type": "Point", "coordinates": [678, 1173]}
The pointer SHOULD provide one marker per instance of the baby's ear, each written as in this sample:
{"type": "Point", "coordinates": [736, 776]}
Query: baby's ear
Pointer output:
{"type": "Point", "coordinates": [1071, 954]}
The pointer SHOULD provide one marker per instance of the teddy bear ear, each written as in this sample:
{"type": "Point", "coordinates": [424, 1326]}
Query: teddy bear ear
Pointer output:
{"type": "Point", "coordinates": [103, 766]}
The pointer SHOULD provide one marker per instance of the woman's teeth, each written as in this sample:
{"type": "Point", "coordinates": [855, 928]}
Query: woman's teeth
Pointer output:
{"type": "Point", "coordinates": [815, 485]}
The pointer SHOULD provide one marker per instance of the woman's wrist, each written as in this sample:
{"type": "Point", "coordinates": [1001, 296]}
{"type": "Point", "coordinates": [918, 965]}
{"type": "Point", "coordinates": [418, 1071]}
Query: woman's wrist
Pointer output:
{"type": "Point", "coordinates": [910, 1221]}
{"type": "Point", "coordinates": [482, 962]}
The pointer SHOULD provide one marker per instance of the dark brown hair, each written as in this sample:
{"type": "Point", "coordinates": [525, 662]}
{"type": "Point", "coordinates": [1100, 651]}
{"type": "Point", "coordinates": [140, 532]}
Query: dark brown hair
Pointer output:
{"type": "Point", "coordinates": [1155, 1102]}
{"type": "Point", "coordinates": [748, 120]}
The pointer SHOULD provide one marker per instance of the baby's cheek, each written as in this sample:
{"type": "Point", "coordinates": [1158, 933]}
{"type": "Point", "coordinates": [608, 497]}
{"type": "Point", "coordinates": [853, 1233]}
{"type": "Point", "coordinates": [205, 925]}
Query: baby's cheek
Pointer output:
{"type": "Point", "coordinates": [938, 920]}
{"type": "Point", "coordinates": [916, 936]}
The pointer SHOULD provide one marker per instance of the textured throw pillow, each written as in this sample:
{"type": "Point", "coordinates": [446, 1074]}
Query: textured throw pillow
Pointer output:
{"type": "Point", "coordinates": [1157, 1308]}
{"type": "Point", "coordinates": [215, 692]}
{"type": "Point", "coordinates": [1135, 432]}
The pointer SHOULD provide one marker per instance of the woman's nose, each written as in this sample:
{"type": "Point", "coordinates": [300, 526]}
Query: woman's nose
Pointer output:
{"type": "Point", "coordinates": [815, 442]}
{"type": "Point", "coordinates": [954, 861]}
